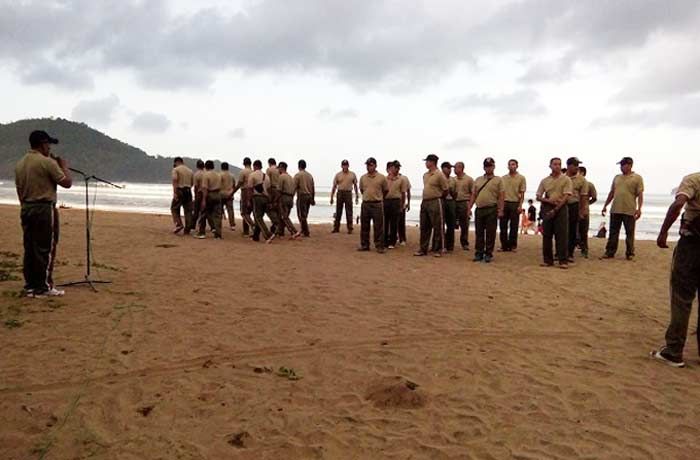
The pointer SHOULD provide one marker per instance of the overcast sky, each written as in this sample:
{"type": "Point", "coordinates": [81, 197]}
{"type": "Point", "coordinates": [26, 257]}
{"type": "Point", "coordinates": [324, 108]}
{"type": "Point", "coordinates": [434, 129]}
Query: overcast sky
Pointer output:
{"type": "Point", "coordinates": [333, 79]}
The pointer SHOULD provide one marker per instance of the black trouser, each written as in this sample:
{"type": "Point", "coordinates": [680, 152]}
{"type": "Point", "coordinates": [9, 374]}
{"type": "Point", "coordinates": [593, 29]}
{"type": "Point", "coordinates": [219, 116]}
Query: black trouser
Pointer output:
{"type": "Point", "coordinates": [685, 288]}
{"type": "Point", "coordinates": [486, 226]}
{"type": "Point", "coordinates": [343, 200]}
{"type": "Point", "coordinates": [40, 231]}
{"type": "Point", "coordinates": [583, 229]}
{"type": "Point", "coordinates": [260, 205]}
{"type": "Point", "coordinates": [182, 199]}
{"type": "Point", "coordinates": [211, 214]}
{"type": "Point", "coordinates": [556, 227]}
{"type": "Point", "coordinates": [616, 222]}
{"type": "Point", "coordinates": [392, 209]}
{"type": "Point", "coordinates": [573, 228]}
{"type": "Point", "coordinates": [246, 206]}
{"type": "Point", "coordinates": [509, 226]}
{"type": "Point", "coordinates": [286, 205]}
{"type": "Point", "coordinates": [199, 217]}
{"type": "Point", "coordinates": [372, 212]}
{"type": "Point", "coordinates": [402, 226]}
{"type": "Point", "coordinates": [303, 206]}
{"type": "Point", "coordinates": [432, 223]}
{"type": "Point", "coordinates": [462, 211]}
{"type": "Point", "coordinates": [449, 212]}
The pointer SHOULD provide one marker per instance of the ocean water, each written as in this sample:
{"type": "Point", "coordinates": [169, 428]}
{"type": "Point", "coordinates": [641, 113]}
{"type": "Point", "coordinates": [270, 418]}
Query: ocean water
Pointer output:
{"type": "Point", "coordinates": [155, 199]}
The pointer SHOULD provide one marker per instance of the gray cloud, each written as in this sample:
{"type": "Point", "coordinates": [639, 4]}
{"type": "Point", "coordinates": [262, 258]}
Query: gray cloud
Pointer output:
{"type": "Point", "coordinates": [151, 122]}
{"type": "Point", "coordinates": [336, 115]}
{"type": "Point", "coordinates": [460, 143]}
{"type": "Point", "coordinates": [365, 43]}
{"type": "Point", "coordinates": [507, 105]}
{"type": "Point", "coordinates": [237, 133]}
{"type": "Point", "coordinates": [683, 112]}
{"type": "Point", "coordinates": [61, 76]}
{"type": "Point", "coordinates": [97, 111]}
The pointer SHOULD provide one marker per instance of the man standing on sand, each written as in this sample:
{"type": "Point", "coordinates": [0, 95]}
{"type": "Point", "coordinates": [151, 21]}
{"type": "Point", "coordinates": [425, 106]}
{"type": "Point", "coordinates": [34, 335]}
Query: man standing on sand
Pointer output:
{"type": "Point", "coordinates": [394, 202]}
{"type": "Point", "coordinates": [515, 186]}
{"type": "Point", "coordinates": [211, 201]}
{"type": "Point", "coordinates": [402, 214]}
{"type": "Point", "coordinates": [227, 191]}
{"type": "Point", "coordinates": [449, 208]}
{"type": "Point", "coordinates": [246, 205]}
{"type": "Point", "coordinates": [197, 210]}
{"type": "Point", "coordinates": [577, 203]}
{"type": "Point", "coordinates": [554, 192]}
{"type": "Point", "coordinates": [584, 224]}
{"type": "Point", "coordinates": [464, 185]}
{"type": "Point", "coordinates": [627, 197]}
{"type": "Point", "coordinates": [306, 196]}
{"type": "Point", "coordinates": [36, 176]}
{"type": "Point", "coordinates": [373, 187]}
{"type": "Point", "coordinates": [435, 189]}
{"type": "Point", "coordinates": [273, 208]}
{"type": "Point", "coordinates": [489, 196]}
{"type": "Point", "coordinates": [259, 184]}
{"type": "Point", "coordinates": [287, 190]}
{"type": "Point", "coordinates": [344, 182]}
{"type": "Point", "coordinates": [685, 268]}
{"type": "Point", "coordinates": [182, 179]}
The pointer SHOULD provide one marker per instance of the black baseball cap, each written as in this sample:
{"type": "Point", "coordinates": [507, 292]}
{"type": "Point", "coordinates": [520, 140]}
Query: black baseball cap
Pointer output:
{"type": "Point", "coordinates": [446, 164]}
{"type": "Point", "coordinates": [574, 161]}
{"type": "Point", "coordinates": [38, 137]}
{"type": "Point", "coordinates": [626, 160]}
{"type": "Point", "coordinates": [345, 162]}
{"type": "Point", "coordinates": [371, 161]}
{"type": "Point", "coordinates": [397, 164]}
{"type": "Point", "coordinates": [489, 162]}
{"type": "Point", "coordinates": [432, 157]}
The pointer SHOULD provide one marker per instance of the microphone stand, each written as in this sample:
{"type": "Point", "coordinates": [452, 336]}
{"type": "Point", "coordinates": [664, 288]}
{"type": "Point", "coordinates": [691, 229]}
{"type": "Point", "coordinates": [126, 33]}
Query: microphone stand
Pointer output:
{"type": "Point", "coordinates": [88, 280]}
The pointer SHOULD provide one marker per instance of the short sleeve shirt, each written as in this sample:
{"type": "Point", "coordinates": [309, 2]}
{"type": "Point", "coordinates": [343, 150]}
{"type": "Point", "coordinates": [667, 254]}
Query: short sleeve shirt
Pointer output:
{"type": "Point", "coordinates": [579, 186]}
{"type": "Point", "coordinates": [257, 178]}
{"type": "Point", "coordinates": [243, 177]}
{"type": "Point", "coordinates": [434, 185]}
{"type": "Point", "coordinates": [226, 181]}
{"type": "Point", "coordinates": [211, 181]}
{"type": "Point", "coordinates": [397, 186]}
{"type": "Point", "coordinates": [373, 186]}
{"type": "Point", "coordinates": [490, 192]}
{"type": "Point", "coordinates": [36, 177]}
{"type": "Point", "coordinates": [592, 192]}
{"type": "Point", "coordinates": [183, 176]}
{"type": "Point", "coordinates": [287, 185]}
{"type": "Point", "coordinates": [198, 176]}
{"type": "Point", "coordinates": [513, 186]}
{"type": "Point", "coordinates": [555, 188]}
{"type": "Point", "coordinates": [304, 182]}
{"type": "Point", "coordinates": [451, 188]}
{"type": "Point", "coordinates": [627, 189]}
{"type": "Point", "coordinates": [408, 182]}
{"type": "Point", "coordinates": [344, 181]}
{"type": "Point", "coordinates": [274, 174]}
{"type": "Point", "coordinates": [690, 187]}
{"type": "Point", "coordinates": [464, 186]}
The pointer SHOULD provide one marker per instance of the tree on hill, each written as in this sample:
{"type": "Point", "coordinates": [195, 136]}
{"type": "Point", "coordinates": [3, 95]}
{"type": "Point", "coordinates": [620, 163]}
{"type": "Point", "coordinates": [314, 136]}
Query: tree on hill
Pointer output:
{"type": "Point", "coordinates": [88, 150]}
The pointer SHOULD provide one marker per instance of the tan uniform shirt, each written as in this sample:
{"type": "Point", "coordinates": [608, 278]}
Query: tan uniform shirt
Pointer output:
{"type": "Point", "coordinates": [408, 182]}
{"type": "Point", "coordinates": [490, 192]}
{"type": "Point", "coordinates": [211, 180]}
{"type": "Point", "coordinates": [434, 185]}
{"type": "Point", "coordinates": [592, 192]}
{"type": "Point", "coordinates": [304, 183]}
{"type": "Point", "coordinates": [226, 182]}
{"type": "Point", "coordinates": [451, 188]}
{"type": "Point", "coordinates": [397, 186]}
{"type": "Point", "coordinates": [627, 189]}
{"type": "Point", "coordinates": [555, 188]}
{"type": "Point", "coordinates": [690, 187]}
{"type": "Point", "coordinates": [579, 186]}
{"type": "Point", "coordinates": [464, 186]}
{"type": "Point", "coordinates": [274, 174]}
{"type": "Point", "coordinates": [287, 185]}
{"type": "Point", "coordinates": [198, 176]}
{"type": "Point", "coordinates": [373, 187]}
{"type": "Point", "coordinates": [513, 187]}
{"type": "Point", "coordinates": [256, 178]}
{"type": "Point", "coordinates": [36, 177]}
{"type": "Point", "coordinates": [243, 177]}
{"type": "Point", "coordinates": [183, 175]}
{"type": "Point", "coordinates": [344, 181]}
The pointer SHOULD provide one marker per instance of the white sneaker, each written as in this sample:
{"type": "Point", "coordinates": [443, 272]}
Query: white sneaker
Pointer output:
{"type": "Point", "coordinates": [199, 237]}
{"type": "Point", "coordinates": [403, 243]}
{"type": "Point", "coordinates": [390, 247]}
{"type": "Point", "coordinates": [53, 292]}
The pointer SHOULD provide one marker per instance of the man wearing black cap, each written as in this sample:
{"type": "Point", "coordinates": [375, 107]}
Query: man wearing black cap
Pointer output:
{"type": "Point", "coordinates": [36, 176]}
{"type": "Point", "coordinates": [344, 182]}
{"type": "Point", "coordinates": [306, 196]}
{"type": "Point", "coordinates": [435, 187]}
{"type": "Point", "coordinates": [374, 188]}
{"type": "Point", "coordinates": [394, 203]}
{"type": "Point", "coordinates": [627, 197]}
{"type": "Point", "coordinates": [182, 196]}
{"type": "Point", "coordinates": [489, 197]}
{"type": "Point", "coordinates": [514, 185]}
{"type": "Point", "coordinates": [577, 203]}
{"type": "Point", "coordinates": [554, 192]}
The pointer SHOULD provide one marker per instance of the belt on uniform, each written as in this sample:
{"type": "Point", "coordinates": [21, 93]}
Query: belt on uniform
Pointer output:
{"type": "Point", "coordinates": [287, 194]}
{"type": "Point", "coordinates": [391, 199]}
{"type": "Point", "coordinates": [514, 202]}
{"type": "Point", "coordinates": [462, 201]}
{"type": "Point", "coordinates": [487, 207]}
{"type": "Point", "coordinates": [371, 201]}
{"type": "Point", "coordinates": [432, 199]}
{"type": "Point", "coordinates": [214, 191]}
{"type": "Point", "coordinates": [344, 191]}
{"type": "Point", "coordinates": [39, 202]}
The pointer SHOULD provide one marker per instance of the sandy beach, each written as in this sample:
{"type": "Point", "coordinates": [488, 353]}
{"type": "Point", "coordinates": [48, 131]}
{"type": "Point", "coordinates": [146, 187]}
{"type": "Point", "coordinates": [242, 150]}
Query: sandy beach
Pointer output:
{"type": "Point", "coordinates": [383, 356]}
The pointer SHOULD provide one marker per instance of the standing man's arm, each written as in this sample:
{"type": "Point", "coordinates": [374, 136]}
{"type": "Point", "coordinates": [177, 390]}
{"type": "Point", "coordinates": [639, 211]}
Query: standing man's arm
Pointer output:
{"type": "Point", "coordinates": [640, 202]}
{"type": "Point", "coordinates": [501, 203]}
{"type": "Point", "coordinates": [313, 192]}
{"type": "Point", "coordinates": [67, 181]}
{"type": "Point", "coordinates": [357, 193]}
{"type": "Point", "coordinates": [671, 216]}
{"type": "Point", "coordinates": [611, 195]}
{"type": "Point", "coordinates": [583, 205]}
{"type": "Point", "coordinates": [335, 186]}
{"type": "Point", "coordinates": [174, 183]}
{"type": "Point", "coordinates": [521, 196]}
{"type": "Point", "coordinates": [408, 198]}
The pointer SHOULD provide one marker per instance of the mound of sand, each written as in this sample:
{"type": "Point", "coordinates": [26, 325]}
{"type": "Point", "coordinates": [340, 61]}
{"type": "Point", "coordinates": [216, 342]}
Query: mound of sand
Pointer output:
{"type": "Point", "coordinates": [396, 393]}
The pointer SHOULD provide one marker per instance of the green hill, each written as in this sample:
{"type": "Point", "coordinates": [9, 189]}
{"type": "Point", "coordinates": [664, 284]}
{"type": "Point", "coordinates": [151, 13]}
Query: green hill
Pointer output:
{"type": "Point", "coordinates": [88, 150]}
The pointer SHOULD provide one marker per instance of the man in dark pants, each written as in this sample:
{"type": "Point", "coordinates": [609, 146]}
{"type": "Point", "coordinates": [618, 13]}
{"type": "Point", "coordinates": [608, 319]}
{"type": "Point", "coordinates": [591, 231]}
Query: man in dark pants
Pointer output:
{"type": "Point", "coordinates": [211, 201]}
{"type": "Point", "coordinates": [489, 197]}
{"type": "Point", "coordinates": [36, 176]}
{"type": "Point", "coordinates": [432, 219]}
{"type": "Point", "coordinates": [394, 203]}
{"type": "Point", "coordinates": [553, 193]}
{"type": "Point", "coordinates": [344, 182]}
{"type": "Point", "coordinates": [260, 184]}
{"type": "Point", "coordinates": [514, 185]}
{"type": "Point", "coordinates": [584, 224]}
{"type": "Point", "coordinates": [402, 214]}
{"type": "Point", "coordinates": [449, 210]}
{"type": "Point", "coordinates": [306, 196]}
{"type": "Point", "coordinates": [198, 216]}
{"type": "Point", "coordinates": [287, 190]}
{"type": "Point", "coordinates": [627, 197]}
{"type": "Point", "coordinates": [228, 189]}
{"type": "Point", "coordinates": [577, 203]}
{"type": "Point", "coordinates": [373, 187]}
{"type": "Point", "coordinates": [182, 180]}
{"type": "Point", "coordinates": [685, 270]}
{"type": "Point", "coordinates": [246, 206]}
{"type": "Point", "coordinates": [463, 187]}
